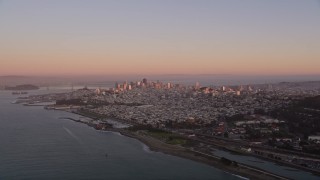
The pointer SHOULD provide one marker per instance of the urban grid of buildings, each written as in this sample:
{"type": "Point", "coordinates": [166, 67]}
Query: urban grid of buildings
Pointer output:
{"type": "Point", "coordinates": [196, 110]}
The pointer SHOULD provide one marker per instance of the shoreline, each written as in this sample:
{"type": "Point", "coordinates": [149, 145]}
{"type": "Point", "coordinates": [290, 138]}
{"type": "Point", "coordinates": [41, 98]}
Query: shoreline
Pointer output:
{"type": "Point", "coordinates": [156, 145]}
{"type": "Point", "coordinates": [281, 163]}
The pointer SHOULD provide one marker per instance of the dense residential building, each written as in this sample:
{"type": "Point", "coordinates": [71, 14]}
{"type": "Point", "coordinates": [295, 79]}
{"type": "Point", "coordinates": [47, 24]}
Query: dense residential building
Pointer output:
{"type": "Point", "coordinates": [255, 117]}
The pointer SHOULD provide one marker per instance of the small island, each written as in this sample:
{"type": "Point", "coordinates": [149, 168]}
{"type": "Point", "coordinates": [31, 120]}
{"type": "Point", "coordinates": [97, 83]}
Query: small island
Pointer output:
{"type": "Point", "coordinates": [23, 87]}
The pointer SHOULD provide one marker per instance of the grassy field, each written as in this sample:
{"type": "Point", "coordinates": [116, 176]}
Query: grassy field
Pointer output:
{"type": "Point", "coordinates": [177, 140]}
{"type": "Point", "coordinates": [167, 137]}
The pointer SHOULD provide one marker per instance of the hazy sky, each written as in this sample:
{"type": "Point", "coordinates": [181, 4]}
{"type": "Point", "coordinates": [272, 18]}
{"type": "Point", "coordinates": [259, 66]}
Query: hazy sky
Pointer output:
{"type": "Point", "coordinates": [42, 37]}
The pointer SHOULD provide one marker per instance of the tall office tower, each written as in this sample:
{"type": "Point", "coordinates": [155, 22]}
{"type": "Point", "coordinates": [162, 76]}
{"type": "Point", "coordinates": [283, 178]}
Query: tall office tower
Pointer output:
{"type": "Point", "coordinates": [98, 91]}
{"type": "Point", "coordinates": [241, 88]}
{"type": "Point", "coordinates": [116, 85]}
{"type": "Point", "coordinates": [197, 86]}
{"type": "Point", "coordinates": [145, 81]}
{"type": "Point", "coordinates": [125, 84]}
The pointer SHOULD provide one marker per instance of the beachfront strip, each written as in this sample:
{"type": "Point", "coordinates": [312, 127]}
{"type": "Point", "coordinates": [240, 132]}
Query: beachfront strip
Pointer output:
{"type": "Point", "coordinates": [248, 119]}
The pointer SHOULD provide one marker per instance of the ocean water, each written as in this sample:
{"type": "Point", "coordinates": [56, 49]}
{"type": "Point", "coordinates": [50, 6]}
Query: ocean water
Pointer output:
{"type": "Point", "coordinates": [36, 144]}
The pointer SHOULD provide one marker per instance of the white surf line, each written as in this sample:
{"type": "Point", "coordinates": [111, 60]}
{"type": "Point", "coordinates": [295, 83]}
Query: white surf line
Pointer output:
{"type": "Point", "coordinates": [72, 135]}
{"type": "Point", "coordinates": [146, 148]}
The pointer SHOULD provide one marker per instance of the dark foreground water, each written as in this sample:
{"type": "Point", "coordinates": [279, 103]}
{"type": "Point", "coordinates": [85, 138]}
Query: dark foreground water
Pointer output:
{"type": "Point", "coordinates": [36, 144]}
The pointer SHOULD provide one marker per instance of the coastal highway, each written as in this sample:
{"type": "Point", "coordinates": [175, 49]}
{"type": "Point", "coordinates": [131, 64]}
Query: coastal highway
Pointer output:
{"type": "Point", "coordinates": [262, 147]}
{"type": "Point", "coordinates": [243, 166]}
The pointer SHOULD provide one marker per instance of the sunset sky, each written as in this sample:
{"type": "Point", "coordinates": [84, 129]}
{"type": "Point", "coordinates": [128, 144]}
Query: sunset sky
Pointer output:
{"type": "Point", "coordinates": [73, 37]}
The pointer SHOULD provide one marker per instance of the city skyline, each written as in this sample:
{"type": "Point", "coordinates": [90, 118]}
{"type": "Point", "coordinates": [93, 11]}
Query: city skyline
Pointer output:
{"type": "Point", "coordinates": [159, 37]}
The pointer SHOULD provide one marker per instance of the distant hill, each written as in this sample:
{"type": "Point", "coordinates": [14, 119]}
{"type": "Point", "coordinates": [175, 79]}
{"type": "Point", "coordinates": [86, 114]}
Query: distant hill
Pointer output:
{"type": "Point", "coordinates": [22, 87]}
{"type": "Point", "coordinates": [302, 84]}
{"type": "Point", "coordinates": [14, 80]}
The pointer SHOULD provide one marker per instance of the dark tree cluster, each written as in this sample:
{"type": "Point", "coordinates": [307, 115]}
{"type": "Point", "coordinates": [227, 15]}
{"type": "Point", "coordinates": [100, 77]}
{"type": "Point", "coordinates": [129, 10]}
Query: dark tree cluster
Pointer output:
{"type": "Point", "coordinates": [69, 102]}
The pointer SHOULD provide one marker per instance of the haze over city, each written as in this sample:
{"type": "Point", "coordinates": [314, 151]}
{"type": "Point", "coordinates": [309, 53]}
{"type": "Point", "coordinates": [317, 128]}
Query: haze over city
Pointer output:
{"type": "Point", "coordinates": [48, 38]}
